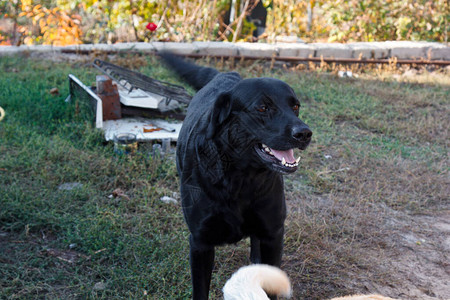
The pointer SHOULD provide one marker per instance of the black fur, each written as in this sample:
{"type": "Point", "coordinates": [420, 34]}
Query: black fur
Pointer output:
{"type": "Point", "coordinates": [229, 189]}
{"type": "Point", "coordinates": [196, 76]}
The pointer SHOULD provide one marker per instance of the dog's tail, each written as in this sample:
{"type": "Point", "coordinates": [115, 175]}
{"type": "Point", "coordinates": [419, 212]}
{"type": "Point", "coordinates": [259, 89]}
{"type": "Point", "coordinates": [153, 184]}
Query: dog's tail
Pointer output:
{"type": "Point", "coordinates": [254, 282]}
{"type": "Point", "coordinates": [196, 76]}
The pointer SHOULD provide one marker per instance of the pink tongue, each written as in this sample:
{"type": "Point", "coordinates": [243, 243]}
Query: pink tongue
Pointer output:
{"type": "Point", "coordinates": [288, 155]}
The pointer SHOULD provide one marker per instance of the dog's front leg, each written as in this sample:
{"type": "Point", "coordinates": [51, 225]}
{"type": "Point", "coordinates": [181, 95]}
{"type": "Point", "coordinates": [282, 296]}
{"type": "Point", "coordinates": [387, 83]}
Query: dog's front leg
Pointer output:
{"type": "Point", "coordinates": [255, 250]}
{"type": "Point", "coordinates": [202, 261]}
{"type": "Point", "coordinates": [272, 249]}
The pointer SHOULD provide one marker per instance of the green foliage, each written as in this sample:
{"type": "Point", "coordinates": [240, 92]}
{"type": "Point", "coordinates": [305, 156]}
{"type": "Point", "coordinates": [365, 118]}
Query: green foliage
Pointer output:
{"type": "Point", "coordinates": [42, 145]}
{"type": "Point", "coordinates": [61, 22]}
{"type": "Point", "coordinates": [39, 22]}
{"type": "Point", "coordinates": [126, 20]}
{"type": "Point", "coordinates": [371, 20]}
{"type": "Point", "coordinates": [286, 18]}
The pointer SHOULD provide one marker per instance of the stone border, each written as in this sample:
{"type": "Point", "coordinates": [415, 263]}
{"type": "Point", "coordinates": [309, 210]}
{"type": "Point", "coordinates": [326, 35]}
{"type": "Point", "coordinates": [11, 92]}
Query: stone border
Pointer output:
{"type": "Point", "coordinates": [374, 50]}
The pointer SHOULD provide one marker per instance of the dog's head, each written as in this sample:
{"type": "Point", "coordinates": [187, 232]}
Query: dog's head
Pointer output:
{"type": "Point", "coordinates": [259, 118]}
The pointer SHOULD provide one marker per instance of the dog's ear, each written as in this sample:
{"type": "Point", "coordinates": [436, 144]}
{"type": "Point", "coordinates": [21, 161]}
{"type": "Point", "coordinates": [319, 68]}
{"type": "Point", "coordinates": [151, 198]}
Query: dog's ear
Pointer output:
{"type": "Point", "coordinates": [219, 113]}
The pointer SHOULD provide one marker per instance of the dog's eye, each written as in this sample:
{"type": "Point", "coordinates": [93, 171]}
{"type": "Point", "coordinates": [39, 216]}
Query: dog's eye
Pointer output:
{"type": "Point", "coordinates": [262, 108]}
{"type": "Point", "coordinates": [296, 107]}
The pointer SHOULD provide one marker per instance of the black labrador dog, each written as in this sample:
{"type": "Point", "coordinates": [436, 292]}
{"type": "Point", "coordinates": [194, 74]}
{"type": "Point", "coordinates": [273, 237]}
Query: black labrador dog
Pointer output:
{"type": "Point", "coordinates": [236, 142]}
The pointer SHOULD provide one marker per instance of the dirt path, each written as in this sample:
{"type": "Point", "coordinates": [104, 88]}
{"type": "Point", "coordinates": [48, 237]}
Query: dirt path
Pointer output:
{"type": "Point", "coordinates": [418, 262]}
{"type": "Point", "coordinates": [336, 248]}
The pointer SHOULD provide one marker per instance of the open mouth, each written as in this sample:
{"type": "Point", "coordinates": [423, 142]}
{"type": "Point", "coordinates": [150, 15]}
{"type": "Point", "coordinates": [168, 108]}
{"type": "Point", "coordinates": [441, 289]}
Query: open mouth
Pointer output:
{"type": "Point", "coordinates": [280, 160]}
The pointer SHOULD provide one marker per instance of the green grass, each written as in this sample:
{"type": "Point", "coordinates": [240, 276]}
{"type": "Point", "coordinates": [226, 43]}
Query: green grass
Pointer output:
{"type": "Point", "coordinates": [388, 135]}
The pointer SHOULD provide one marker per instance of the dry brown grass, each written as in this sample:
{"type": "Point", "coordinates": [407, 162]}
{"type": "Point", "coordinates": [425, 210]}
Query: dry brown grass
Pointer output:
{"type": "Point", "coordinates": [357, 227]}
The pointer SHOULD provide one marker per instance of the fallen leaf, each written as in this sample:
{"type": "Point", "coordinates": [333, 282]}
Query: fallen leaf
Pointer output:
{"type": "Point", "coordinates": [120, 193]}
{"type": "Point", "coordinates": [54, 91]}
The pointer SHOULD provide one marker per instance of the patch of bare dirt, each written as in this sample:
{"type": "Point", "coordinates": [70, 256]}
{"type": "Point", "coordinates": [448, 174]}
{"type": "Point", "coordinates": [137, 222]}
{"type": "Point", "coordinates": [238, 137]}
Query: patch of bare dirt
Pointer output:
{"type": "Point", "coordinates": [336, 247]}
{"type": "Point", "coordinates": [416, 263]}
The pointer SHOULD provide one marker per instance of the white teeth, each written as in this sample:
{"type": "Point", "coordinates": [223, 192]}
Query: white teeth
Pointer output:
{"type": "Point", "coordinates": [283, 160]}
{"type": "Point", "coordinates": [267, 149]}
{"type": "Point", "coordinates": [290, 165]}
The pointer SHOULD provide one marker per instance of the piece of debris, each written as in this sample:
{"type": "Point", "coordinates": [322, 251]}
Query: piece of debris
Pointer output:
{"type": "Point", "coordinates": [54, 91]}
{"type": "Point", "coordinates": [137, 126]}
{"type": "Point", "coordinates": [125, 143]}
{"type": "Point", "coordinates": [99, 286]}
{"type": "Point", "coordinates": [167, 199]}
{"type": "Point", "coordinates": [333, 171]}
{"type": "Point", "coordinates": [127, 101]}
{"type": "Point", "coordinates": [343, 74]}
{"type": "Point", "coordinates": [131, 80]}
{"type": "Point", "coordinates": [107, 91]}
{"type": "Point", "coordinates": [99, 251]}
{"type": "Point", "coordinates": [327, 156]}
{"type": "Point", "coordinates": [70, 186]}
{"type": "Point", "coordinates": [153, 127]}
{"type": "Point", "coordinates": [119, 193]}
{"type": "Point", "coordinates": [2, 113]}
{"type": "Point", "coordinates": [66, 255]}
{"type": "Point", "coordinates": [86, 100]}
{"type": "Point", "coordinates": [157, 151]}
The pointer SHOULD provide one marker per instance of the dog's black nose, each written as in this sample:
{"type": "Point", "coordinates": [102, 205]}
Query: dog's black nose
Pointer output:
{"type": "Point", "coordinates": [301, 133]}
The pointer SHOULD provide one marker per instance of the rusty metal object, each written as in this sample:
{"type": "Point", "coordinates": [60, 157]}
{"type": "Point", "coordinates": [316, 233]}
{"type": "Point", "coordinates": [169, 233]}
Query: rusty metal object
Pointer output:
{"type": "Point", "coordinates": [294, 59]}
{"type": "Point", "coordinates": [329, 60]}
{"type": "Point", "coordinates": [153, 128]}
{"type": "Point", "coordinates": [107, 91]}
{"type": "Point", "coordinates": [151, 113]}
{"type": "Point", "coordinates": [130, 80]}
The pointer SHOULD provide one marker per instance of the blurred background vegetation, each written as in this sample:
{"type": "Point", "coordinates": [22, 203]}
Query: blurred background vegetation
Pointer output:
{"type": "Point", "coordinates": [64, 22]}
